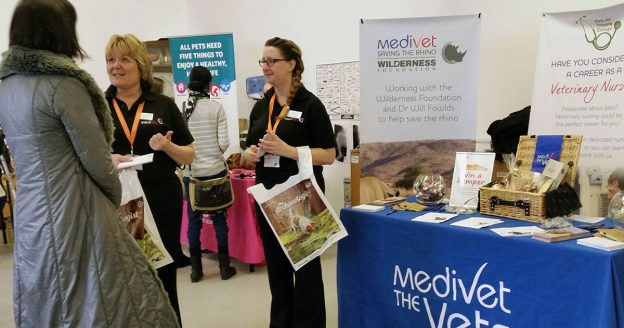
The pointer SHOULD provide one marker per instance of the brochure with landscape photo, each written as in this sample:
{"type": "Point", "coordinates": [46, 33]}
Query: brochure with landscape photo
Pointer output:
{"type": "Point", "coordinates": [304, 225]}
{"type": "Point", "coordinates": [136, 216]}
{"type": "Point", "coordinates": [132, 215]}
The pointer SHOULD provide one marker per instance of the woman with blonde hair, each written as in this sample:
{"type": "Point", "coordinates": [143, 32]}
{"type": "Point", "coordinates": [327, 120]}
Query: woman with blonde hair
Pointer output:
{"type": "Point", "coordinates": [146, 122]}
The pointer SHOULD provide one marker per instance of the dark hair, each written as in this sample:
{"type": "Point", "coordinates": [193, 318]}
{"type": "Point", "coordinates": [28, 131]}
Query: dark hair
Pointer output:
{"type": "Point", "coordinates": [290, 51]}
{"type": "Point", "coordinates": [199, 79]}
{"type": "Point", "coordinates": [46, 25]}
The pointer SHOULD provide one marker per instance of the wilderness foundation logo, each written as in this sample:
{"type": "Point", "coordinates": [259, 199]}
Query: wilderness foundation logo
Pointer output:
{"type": "Point", "coordinates": [451, 54]}
{"type": "Point", "coordinates": [411, 53]}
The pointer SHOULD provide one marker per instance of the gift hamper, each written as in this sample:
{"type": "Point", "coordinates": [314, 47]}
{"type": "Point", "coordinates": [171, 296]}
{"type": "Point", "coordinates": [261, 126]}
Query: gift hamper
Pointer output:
{"type": "Point", "coordinates": [535, 206]}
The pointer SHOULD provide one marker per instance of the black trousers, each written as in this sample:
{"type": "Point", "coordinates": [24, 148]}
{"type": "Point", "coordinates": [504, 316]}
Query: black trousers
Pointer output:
{"type": "Point", "coordinates": [298, 297]}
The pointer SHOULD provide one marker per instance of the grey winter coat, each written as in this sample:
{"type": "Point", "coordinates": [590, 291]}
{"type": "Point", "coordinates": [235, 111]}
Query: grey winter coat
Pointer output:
{"type": "Point", "coordinates": [74, 264]}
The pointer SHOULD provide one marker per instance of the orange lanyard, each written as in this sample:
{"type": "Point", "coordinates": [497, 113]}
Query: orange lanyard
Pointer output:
{"type": "Point", "coordinates": [124, 125]}
{"type": "Point", "coordinates": [279, 119]}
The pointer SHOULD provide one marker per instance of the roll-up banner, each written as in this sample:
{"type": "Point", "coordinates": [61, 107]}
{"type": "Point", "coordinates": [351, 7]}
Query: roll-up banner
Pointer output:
{"type": "Point", "coordinates": [215, 52]}
{"type": "Point", "coordinates": [418, 99]}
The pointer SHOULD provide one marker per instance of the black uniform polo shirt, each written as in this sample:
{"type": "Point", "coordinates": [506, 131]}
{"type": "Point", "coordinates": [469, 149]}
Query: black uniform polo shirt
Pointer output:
{"type": "Point", "coordinates": [313, 130]}
{"type": "Point", "coordinates": [165, 117]}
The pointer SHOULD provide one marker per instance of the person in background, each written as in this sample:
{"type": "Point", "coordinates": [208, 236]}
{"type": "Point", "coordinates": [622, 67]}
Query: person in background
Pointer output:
{"type": "Point", "coordinates": [146, 122]}
{"type": "Point", "coordinates": [615, 182]}
{"type": "Point", "coordinates": [74, 264]}
{"type": "Point", "coordinates": [208, 123]}
{"type": "Point", "coordinates": [291, 117]}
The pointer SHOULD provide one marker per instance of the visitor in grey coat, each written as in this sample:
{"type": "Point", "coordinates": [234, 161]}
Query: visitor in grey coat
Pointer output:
{"type": "Point", "coordinates": [74, 264]}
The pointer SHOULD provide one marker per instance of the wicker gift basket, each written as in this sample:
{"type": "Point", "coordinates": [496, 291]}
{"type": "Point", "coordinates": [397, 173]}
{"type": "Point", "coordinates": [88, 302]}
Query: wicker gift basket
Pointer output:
{"type": "Point", "coordinates": [523, 205]}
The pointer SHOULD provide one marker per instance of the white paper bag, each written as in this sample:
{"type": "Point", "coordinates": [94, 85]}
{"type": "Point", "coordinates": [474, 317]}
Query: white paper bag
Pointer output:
{"type": "Point", "coordinates": [136, 216]}
{"type": "Point", "coordinates": [299, 214]}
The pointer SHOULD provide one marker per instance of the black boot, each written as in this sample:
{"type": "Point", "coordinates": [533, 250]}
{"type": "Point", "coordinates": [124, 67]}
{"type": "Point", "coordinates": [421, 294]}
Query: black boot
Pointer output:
{"type": "Point", "coordinates": [182, 260]}
{"type": "Point", "coordinates": [226, 270]}
{"type": "Point", "coordinates": [196, 268]}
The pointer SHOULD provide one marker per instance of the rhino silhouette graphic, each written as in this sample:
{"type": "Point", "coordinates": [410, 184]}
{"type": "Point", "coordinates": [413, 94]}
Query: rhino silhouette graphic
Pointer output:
{"type": "Point", "coordinates": [451, 55]}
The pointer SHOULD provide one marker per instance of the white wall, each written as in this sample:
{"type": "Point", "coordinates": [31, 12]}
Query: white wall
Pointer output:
{"type": "Point", "coordinates": [328, 32]}
{"type": "Point", "coordinates": [98, 20]}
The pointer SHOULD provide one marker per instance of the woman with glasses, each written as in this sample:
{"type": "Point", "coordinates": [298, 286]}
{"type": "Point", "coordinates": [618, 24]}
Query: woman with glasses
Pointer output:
{"type": "Point", "coordinates": [289, 116]}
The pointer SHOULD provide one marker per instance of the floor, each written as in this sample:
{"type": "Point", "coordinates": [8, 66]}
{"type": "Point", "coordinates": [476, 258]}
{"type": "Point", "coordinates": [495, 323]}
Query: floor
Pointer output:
{"type": "Point", "coordinates": [243, 301]}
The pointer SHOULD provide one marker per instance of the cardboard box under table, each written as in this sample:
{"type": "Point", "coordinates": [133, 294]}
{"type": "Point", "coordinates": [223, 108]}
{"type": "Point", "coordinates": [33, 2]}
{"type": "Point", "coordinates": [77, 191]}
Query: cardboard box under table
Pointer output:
{"type": "Point", "coordinates": [523, 205]}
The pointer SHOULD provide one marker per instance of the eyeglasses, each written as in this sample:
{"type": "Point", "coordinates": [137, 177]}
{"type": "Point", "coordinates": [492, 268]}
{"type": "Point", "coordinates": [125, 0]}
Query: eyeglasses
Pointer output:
{"type": "Point", "coordinates": [270, 61]}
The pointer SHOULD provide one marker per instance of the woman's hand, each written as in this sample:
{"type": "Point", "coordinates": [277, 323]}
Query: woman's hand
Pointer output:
{"type": "Point", "coordinates": [160, 142]}
{"type": "Point", "coordinates": [250, 154]}
{"type": "Point", "coordinates": [180, 154]}
{"type": "Point", "coordinates": [272, 144]}
{"type": "Point", "coordinates": [117, 159]}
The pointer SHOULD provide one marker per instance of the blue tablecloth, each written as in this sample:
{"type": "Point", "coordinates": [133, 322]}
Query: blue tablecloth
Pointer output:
{"type": "Point", "coordinates": [394, 272]}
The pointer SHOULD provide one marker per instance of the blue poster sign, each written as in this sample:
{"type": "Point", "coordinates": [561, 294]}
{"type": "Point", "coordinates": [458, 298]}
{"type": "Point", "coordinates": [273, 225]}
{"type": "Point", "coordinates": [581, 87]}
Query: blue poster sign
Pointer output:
{"type": "Point", "coordinates": [215, 52]}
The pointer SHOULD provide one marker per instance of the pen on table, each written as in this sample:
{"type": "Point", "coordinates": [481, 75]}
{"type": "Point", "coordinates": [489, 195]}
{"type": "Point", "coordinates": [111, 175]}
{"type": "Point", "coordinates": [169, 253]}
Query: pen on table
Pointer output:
{"type": "Point", "coordinates": [393, 211]}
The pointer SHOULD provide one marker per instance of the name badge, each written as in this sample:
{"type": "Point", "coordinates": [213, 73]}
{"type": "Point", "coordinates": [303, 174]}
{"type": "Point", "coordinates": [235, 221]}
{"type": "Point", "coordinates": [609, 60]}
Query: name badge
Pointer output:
{"type": "Point", "coordinates": [294, 114]}
{"type": "Point", "coordinates": [147, 116]}
{"type": "Point", "coordinates": [271, 160]}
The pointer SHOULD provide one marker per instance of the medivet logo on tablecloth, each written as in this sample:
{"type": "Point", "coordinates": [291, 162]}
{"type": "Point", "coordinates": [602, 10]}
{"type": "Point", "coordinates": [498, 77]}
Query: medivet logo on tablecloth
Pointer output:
{"type": "Point", "coordinates": [413, 287]}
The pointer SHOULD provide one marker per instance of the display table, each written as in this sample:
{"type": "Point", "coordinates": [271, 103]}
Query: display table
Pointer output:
{"type": "Point", "coordinates": [244, 240]}
{"type": "Point", "coordinates": [394, 272]}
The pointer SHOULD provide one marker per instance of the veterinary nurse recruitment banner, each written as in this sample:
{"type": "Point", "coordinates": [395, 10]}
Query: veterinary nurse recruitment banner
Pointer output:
{"type": "Point", "coordinates": [215, 52]}
{"type": "Point", "coordinates": [579, 88]}
{"type": "Point", "coordinates": [579, 80]}
{"type": "Point", "coordinates": [418, 97]}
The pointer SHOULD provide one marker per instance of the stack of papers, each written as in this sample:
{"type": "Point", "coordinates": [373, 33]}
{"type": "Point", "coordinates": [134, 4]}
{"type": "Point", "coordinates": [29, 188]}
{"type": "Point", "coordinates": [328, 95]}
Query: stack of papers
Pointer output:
{"type": "Point", "coordinates": [601, 243]}
{"type": "Point", "coordinates": [586, 219]}
{"type": "Point", "coordinates": [136, 161]}
{"type": "Point", "coordinates": [517, 231]}
{"type": "Point", "coordinates": [368, 208]}
{"type": "Point", "coordinates": [476, 222]}
{"type": "Point", "coordinates": [434, 217]}
{"type": "Point", "coordinates": [561, 234]}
